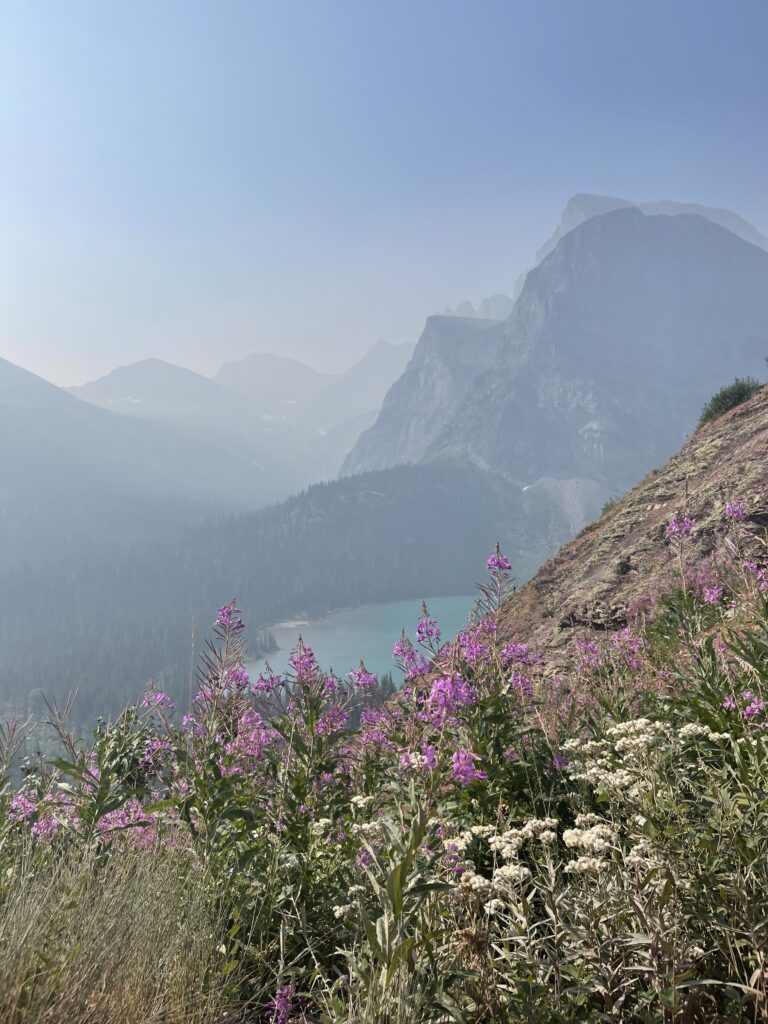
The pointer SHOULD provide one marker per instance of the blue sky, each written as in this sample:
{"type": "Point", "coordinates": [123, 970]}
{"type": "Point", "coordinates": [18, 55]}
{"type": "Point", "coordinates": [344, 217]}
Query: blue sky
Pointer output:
{"type": "Point", "coordinates": [199, 180]}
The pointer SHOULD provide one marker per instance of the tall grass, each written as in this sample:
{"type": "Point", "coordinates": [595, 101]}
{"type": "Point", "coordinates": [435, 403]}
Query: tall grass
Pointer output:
{"type": "Point", "coordinates": [130, 939]}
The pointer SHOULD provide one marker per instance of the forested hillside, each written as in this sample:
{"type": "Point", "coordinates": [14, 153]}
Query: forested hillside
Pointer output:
{"type": "Point", "coordinates": [408, 532]}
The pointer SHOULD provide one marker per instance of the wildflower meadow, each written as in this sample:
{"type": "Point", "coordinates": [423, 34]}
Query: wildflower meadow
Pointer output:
{"type": "Point", "coordinates": [501, 840]}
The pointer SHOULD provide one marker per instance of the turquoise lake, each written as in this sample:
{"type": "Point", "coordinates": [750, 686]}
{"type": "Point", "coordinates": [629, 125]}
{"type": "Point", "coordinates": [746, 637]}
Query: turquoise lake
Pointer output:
{"type": "Point", "coordinates": [342, 639]}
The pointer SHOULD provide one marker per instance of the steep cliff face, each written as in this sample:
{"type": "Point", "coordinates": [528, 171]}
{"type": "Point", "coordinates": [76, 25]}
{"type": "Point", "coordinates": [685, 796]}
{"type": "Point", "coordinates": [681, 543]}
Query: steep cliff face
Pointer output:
{"type": "Point", "coordinates": [617, 340]}
{"type": "Point", "coordinates": [590, 585]}
{"type": "Point", "coordinates": [451, 353]}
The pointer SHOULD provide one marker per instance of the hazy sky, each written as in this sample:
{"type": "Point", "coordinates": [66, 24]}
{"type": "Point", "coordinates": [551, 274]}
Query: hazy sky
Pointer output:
{"type": "Point", "coordinates": [199, 180]}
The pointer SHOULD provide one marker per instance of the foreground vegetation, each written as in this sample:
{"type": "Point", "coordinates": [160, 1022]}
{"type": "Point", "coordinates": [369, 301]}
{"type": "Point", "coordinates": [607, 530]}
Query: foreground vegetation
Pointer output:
{"type": "Point", "coordinates": [499, 842]}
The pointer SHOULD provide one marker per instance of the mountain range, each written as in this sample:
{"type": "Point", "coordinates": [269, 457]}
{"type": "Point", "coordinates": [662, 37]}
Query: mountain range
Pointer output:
{"type": "Point", "coordinates": [131, 505]}
{"type": "Point", "coordinates": [299, 422]}
{"type": "Point", "coordinates": [617, 339]}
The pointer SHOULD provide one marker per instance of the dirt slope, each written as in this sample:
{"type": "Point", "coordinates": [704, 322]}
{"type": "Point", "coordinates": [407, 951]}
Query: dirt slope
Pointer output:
{"type": "Point", "coordinates": [590, 583]}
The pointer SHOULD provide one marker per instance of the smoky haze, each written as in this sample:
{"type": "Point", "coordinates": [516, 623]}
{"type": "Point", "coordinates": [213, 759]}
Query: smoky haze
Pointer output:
{"type": "Point", "coordinates": [195, 184]}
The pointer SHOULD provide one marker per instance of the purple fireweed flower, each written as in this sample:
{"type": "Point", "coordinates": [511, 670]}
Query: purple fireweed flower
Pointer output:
{"type": "Point", "coordinates": [430, 758]}
{"type": "Point", "coordinates": [729, 703]}
{"type": "Point", "coordinates": [282, 1005]}
{"type": "Point", "coordinates": [23, 807]}
{"type": "Point", "coordinates": [236, 678]}
{"type": "Point", "coordinates": [361, 679]}
{"type": "Point", "coordinates": [680, 526]}
{"type": "Point", "coordinates": [520, 653]}
{"type": "Point", "coordinates": [735, 510]}
{"type": "Point", "coordinates": [157, 750]}
{"type": "Point", "coordinates": [333, 720]}
{"type": "Point", "coordinates": [228, 618]}
{"type": "Point", "coordinates": [267, 683]}
{"type": "Point", "coordinates": [253, 737]}
{"type": "Point", "coordinates": [403, 648]}
{"type": "Point", "coordinates": [470, 648]}
{"type": "Point", "coordinates": [521, 684]}
{"type": "Point", "coordinates": [559, 762]}
{"type": "Point", "coordinates": [408, 659]}
{"type": "Point", "coordinates": [427, 629]}
{"type": "Point", "coordinates": [157, 699]}
{"type": "Point", "coordinates": [589, 655]}
{"type": "Point", "coordinates": [190, 724]}
{"type": "Point", "coordinates": [713, 595]}
{"type": "Point", "coordinates": [464, 770]}
{"type": "Point", "coordinates": [497, 562]}
{"type": "Point", "coordinates": [448, 693]}
{"type": "Point", "coordinates": [756, 707]}
{"type": "Point", "coordinates": [760, 574]}
{"type": "Point", "coordinates": [364, 858]}
{"type": "Point", "coordinates": [303, 661]}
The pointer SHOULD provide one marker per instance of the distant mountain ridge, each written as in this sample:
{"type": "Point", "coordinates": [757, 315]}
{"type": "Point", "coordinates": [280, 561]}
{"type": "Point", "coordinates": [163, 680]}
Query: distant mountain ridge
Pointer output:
{"type": "Point", "coordinates": [617, 339]}
{"type": "Point", "coordinates": [278, 412]}
{"type": "Point", "coordinates": [495, 307]}
{"type": "Point", "coordinates": [76, 475]}
{"type": "Point", "coordinates": [584, 206]}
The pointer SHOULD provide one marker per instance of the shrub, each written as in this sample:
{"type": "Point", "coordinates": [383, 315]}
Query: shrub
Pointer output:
{"type": "Point", "coordinates": [728, 397]}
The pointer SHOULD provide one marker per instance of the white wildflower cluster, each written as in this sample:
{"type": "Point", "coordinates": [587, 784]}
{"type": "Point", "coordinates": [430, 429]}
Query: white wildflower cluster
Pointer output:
{"type": "Point", "coordinates": [595, 839]}
{"type": "Point", "coordinates": [321, 826]}
{"type": "Point", "coordinates": [507, 844]}
{"type": "Point", "coordinates": [511, 873]}
{"type": "Point", "coordinates": [638, 735]}
{"type": "Point", "coordinates": [494, 906]}
{"type": "Point", "coordinates": [641, 857]}
{"type": "Point", "coordinates": [482, 831]}
{"type": "Point", "coordinates": [470, 881]}
{"type": "Point", "coordinates": [458, 843]}
{"type": "Point", "coordinates": [343, 911]}
{"type": "Point", "coordinates": [694, 731]}
{"type": "Point", "coordinates": [588, 820]}
{"type": "Point", "coordinates": [585, 865]}
{"type": "Point", "coordinates": [369, 830]}
{"type": "Point", "coordinates": [359, 803]}
{"type": "Point", "coordinates": [617, 764]}
{"type": "Point", "coordinates": [355, 890]}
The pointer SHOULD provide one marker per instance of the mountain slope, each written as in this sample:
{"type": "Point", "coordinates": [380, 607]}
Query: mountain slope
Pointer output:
{"type": "Point", "coordinates": [155, 390]}
{"type": "Point", "coordinates": [74, 474]}
{"type": "Point", "coordinates": [450, 353]}
{"type": "Point", "coordinates": [616, 341]}
{"type": "Point", "coordinates": [276, 382]}
{"type": "Point", "coordinates": [361, 388]}
{"type": "Point", "coordinates": [593, 582]}
{"type": "Point", "coordinates": [336, 416]}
